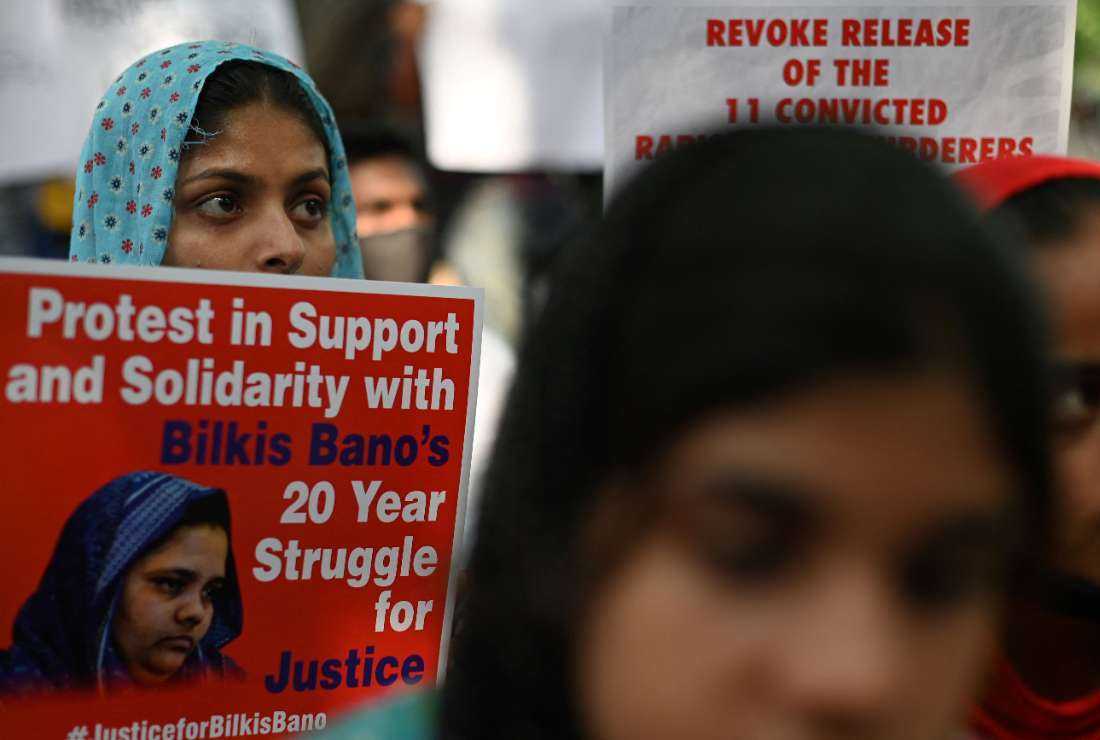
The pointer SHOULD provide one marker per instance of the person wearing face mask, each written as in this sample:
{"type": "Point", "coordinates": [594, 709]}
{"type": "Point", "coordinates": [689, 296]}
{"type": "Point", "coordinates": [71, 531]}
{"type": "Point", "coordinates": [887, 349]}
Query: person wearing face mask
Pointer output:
{"type": "Point", "coordinates": [141, 591]}
{"type": "Point", "coordinates": [215, 155]}
{"type": "Point", "coordinates": [1047, 680]}
{"type": "Point", "coordinates": [394, 214]}
{"type": "Point", "coordinates": [775, 446]}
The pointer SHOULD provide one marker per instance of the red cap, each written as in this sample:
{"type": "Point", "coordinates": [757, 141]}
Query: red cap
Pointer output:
{"type": "Point", "coordinates": [992, 183]}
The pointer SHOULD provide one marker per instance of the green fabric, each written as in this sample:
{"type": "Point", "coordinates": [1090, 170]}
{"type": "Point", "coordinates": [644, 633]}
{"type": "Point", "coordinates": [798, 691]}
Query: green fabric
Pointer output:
{"type": "Point", "coordinates": [411, 717]}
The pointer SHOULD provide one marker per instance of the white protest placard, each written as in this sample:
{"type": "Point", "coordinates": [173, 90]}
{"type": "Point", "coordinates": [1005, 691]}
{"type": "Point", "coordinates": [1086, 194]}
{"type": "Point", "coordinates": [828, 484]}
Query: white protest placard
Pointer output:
{"type": "Point", "coordinates": [512, 85]}
{"type": "Point", "coordinates": [954, 84]}
{"type": "Point", "coordinates": [57, 57]}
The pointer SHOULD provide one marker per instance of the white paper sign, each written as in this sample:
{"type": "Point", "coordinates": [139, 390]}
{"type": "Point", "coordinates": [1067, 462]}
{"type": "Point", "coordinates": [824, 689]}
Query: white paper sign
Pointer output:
{"type": "Point", "coordinates": [956, 85]}
{"type": "Point", "coordinates": [513, 85]}
{"type": "Point", "coordinates": [57, 58]}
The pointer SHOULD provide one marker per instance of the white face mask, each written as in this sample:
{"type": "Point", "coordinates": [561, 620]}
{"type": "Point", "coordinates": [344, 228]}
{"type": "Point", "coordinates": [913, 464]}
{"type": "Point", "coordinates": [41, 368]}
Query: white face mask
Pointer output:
{"type": "Point", "coordinates": [400, 256]}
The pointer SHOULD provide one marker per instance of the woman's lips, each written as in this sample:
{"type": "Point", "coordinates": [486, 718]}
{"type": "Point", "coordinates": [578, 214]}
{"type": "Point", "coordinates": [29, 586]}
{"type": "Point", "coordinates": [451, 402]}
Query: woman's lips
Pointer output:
{"type": "Point", "coordinates": [181, 643]}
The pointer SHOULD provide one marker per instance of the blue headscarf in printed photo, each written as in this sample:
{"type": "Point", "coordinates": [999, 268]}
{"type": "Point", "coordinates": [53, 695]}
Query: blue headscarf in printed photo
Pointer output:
{"type": "Point", "coordinates": [125, 183]}
{"type": "Point", "coordinates": [62, 640]}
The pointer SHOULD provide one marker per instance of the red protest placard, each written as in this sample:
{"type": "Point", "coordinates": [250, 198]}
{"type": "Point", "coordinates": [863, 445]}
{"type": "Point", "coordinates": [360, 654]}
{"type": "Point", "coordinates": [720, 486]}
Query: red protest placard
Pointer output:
{"type": "Point", "coordinates": [231, 501]}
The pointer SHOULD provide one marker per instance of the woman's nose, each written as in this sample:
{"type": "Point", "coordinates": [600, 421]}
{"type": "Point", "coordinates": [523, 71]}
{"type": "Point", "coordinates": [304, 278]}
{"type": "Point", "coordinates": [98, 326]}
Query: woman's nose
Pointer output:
{"type": "Point", "coordinates": [848, 665]}
{"type": "Point", "coordinates": [279, 247]}
{"type": "Point", "coordinates": [191, 609]}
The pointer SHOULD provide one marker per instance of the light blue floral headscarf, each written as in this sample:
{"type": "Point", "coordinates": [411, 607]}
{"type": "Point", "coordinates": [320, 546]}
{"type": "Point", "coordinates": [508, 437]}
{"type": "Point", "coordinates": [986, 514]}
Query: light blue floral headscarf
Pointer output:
{"type": "Point", "coordinates": [125, 183]}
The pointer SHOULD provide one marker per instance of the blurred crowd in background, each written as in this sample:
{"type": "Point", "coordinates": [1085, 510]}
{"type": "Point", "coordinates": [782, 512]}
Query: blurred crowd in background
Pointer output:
{"type": "Point", "coordinates": [495, 223]}
{"type": "Point", "coordinates": [1085, 125]}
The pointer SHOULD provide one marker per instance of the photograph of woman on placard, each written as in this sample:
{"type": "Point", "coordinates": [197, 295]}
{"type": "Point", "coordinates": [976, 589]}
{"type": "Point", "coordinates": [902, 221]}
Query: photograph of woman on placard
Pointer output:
{"type": "Point", "coordinates": [215, 155]}
{"type": "Point", "coordinates": [141, 591]}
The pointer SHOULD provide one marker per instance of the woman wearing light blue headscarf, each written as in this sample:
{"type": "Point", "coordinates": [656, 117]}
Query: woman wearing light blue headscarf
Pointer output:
{"type": "Point", "coordinates": [145, 126]}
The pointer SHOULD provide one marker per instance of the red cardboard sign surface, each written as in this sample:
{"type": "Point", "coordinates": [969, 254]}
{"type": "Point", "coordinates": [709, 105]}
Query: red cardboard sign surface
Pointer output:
{"type": "Point", "coordinates": [345, 506]}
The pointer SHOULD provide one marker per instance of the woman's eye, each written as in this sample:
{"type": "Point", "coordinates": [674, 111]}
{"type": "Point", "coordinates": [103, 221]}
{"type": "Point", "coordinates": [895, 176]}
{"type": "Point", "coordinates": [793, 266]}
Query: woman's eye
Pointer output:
{"type": "Point", "coordinates": [934, 581]}
{"type": "Point", "coordinates": [170, 586]}
{"type": "Point", "coordinates": [310, 210]}
{"type": "Point", "coordinates": [1076, 398]}
{"type": "Point", "coordinates": [751, 562]}
{"type": "Point", "coordinates": [219, 206]}
{"type": "Point", "coordinates": [748, 532]}
{"type": "Point", "coordinates": [743, 547]}
{"type": "Point", "coordinates": [211, 592]}
{"type": "Point", "coordinates": [1072, 410]}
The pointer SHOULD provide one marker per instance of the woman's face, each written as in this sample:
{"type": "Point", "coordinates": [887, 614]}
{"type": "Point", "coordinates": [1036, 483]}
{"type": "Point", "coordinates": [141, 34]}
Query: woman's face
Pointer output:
{"type": "Point", "coordinates": [827, 565]}
{"type": "Point", "coordinates": [254, 198]}
{"type": "Point", "coordinates": [1070, 272]}
{"type": "Point", "coordinates": [167, 602]}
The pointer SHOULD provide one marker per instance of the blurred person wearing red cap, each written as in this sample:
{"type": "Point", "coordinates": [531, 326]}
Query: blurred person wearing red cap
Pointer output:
{"type": "Point", "coordinates": [1047, 682]}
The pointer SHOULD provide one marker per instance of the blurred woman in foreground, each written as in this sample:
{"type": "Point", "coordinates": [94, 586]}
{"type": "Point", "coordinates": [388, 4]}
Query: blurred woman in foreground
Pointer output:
{"type": "Point", "coordinates": [772, 448]}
